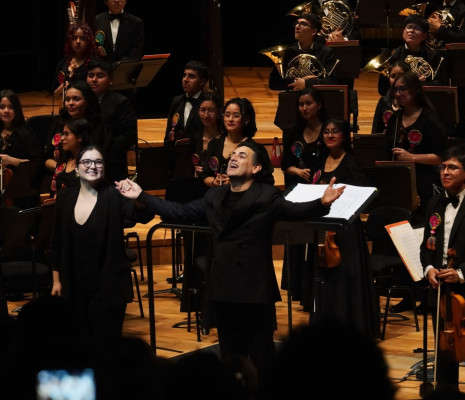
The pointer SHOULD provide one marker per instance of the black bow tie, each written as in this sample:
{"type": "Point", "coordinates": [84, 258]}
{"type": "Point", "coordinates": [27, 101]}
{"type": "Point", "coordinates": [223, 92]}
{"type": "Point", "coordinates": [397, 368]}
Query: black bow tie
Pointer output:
{"type": "Point", "coordinates": [454, 200]}
{"type": "Point", "coordinates": [191, 100]}
{"type": "Point", "coordinates": [115, 16]}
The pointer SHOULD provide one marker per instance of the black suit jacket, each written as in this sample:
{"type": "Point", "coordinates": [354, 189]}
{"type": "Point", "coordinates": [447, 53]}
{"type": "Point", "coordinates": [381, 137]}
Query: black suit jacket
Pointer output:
{"type": "Point", "coordinates": [175, 120]}
{"type": "Point", "coordinates": [242, 268]}
{"type": "Point", "coordinates": [113, 209]}
{"type": "Point", "coordinates": [118, 112]}
{"type": "Point", "coordinates": [456, 239]}
{"type": "Point", "coordinates": [129, 41]}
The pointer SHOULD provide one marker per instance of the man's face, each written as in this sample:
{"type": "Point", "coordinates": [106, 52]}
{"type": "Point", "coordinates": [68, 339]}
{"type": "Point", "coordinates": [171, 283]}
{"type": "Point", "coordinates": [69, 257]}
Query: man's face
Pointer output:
{"type": "Point", "coordinates": [452, 175]}
{"type": "Point", "coordinates": [115, 6]}
{"type": "Point", "coordinates": [241, 163]}
{"type": "Point", "coordinates": [99, 81]}
{"type": "Point", "coordinates": [413, 36]}
{"type": "Point", "coordinates": [191, 82]}
{"type": "Point", "coordinates": [303, 30]}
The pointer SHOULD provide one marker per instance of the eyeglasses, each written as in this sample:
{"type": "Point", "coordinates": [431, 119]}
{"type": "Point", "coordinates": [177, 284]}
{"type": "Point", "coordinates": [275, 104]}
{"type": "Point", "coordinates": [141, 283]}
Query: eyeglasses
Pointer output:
{"type": "Point", "coordinates": [210, 111]}
{"type": "Point", "coordinates": [334, 131]}
{"type": "Point", "coordinates": [450, 167]}
{"type": "Point", "coordinates": [412, 27]}
{"type": "Point", "coordinates": [234, 115]}
{"type": "Point", "coordinates": [88, 163]}
{"type": "Point", "coordinates": [302, 24]}
{"type": "Point", "coordinates": [400, 89]}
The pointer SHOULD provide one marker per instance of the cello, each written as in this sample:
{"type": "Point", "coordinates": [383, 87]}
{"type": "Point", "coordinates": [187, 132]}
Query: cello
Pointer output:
{"type": "Point", "coordinates": [450, 341]}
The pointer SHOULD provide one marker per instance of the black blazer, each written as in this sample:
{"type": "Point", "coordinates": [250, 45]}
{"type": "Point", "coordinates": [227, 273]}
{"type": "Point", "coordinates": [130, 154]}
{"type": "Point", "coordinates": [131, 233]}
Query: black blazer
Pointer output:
{"type": "Point", "coordinates": [193, 124]}
{"type": "Point", "coordinates": [456, 239]}
{"type": "Point", "coordinates": [242, 268]}
{"type": "Point", "coordinates": [113, 210]}
{"type": "Point", "coordinates": [130, 38]}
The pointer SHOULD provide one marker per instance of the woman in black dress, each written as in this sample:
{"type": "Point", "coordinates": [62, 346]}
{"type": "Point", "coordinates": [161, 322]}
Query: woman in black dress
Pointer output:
{"type": "Point", "coordinates": [77, 134]}
{"type": "Point", "coordinates": [344, 293]}
{"type": "Point", "coordinates": [415, 133]}
{"type": "Point", "coordinates": [387, 104]}
{"type": "Point", "coordinates": [239, 125]}
{"type": "Point", "coordinates": [79, 50]}
{"type": "Point", "coordinates": [88, 251]}
{"type": "Point", "coordinates": [301, 147]}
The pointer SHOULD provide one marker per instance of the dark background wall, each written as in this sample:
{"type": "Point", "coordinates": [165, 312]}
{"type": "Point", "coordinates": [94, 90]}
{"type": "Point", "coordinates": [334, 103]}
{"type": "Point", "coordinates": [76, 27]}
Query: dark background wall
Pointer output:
{"type": "Point", "coordinates": [33, 31]}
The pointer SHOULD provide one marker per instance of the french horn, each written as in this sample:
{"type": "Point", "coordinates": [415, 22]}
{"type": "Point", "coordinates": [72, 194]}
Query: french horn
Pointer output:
{"type": "Point", "coordinates": [444, 16]}
{"type": "Point", "coordinates": [305, 65]}
{"type": "Point", "coordinates": [333, 14]}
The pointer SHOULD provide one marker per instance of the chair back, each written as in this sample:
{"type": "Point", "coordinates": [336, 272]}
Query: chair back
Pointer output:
{"type": "Point", "coordinates": [375, 229]}
{"type": "Point", "coordinates": [19, 235]}
{"type": "Point", "coordinates": [41, 126]}
{"type": "Point", "coordinates": [152, 173]}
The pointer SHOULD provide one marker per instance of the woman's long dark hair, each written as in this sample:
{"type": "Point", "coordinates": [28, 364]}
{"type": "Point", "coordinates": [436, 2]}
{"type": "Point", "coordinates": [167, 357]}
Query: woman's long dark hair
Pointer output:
{"type": "Point", "coordinates": [414, 85]}
{"type": "Point", "coordinates": [13, 98]}
{"type": "Point", "coordinates": [248, 115]}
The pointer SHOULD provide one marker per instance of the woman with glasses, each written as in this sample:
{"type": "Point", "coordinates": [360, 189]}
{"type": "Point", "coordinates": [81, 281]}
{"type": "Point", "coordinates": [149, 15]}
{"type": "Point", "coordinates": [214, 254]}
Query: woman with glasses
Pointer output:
{"type": "Point", "coordinates": [238, 126]}
{"type": "Point", "coordinates": [89, 260]}
{"type": "Point", "coordinates": [387, 104]}
{"type": "Point", "coordinates": [343, 293]}
{"type": "Point", "coordinates": [415, 133]}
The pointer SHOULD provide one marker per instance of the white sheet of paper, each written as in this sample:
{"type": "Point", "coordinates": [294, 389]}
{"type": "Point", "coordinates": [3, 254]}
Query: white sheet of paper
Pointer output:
{"type": "Point", "coordinates": [344, 207]}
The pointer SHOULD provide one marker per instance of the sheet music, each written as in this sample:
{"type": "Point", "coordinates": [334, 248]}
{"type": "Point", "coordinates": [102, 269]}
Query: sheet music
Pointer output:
{"type": "Point", "coordinates": [344, 207]}
{"type": "Point", "coordinates": [407, 241]}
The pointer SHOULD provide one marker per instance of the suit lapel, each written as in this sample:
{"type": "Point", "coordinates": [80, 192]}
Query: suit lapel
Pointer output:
{"type": "Point", "coordinates": [457, 222]}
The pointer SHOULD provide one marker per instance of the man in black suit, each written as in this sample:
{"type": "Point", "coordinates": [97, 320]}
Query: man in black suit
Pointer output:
{"type": "Point", "coordinates": [122, 33]}
{"type": "Point", "coordinates": [241, 282]}
{"type": "Point", "coordinates": [443, 247]}
{"type": "Point", "coordinates": [118, 112]}
{"type": "Point", "coordinates": [183, 116]}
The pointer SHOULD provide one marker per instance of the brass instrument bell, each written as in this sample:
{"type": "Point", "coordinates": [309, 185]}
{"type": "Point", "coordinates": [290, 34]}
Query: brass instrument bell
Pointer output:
{"type": "Point", "coordinates": [276, 54]}
{"type": "Point", "coordinates": [418, 9]}
{"type": "Point", "coordinates": [379, 64]}
{"type": "Point", "coordinates": [301, 9]}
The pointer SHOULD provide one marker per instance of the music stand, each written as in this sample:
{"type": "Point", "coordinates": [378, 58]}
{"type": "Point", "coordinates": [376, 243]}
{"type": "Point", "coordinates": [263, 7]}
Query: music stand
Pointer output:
{"type": "Point", "coordinates": [132, 74]}
{"type": "Point", "coordinates": [396, 183]}
{"type": "Point", "coordinates": [24, 183]}
{"type": "Point", "coordinates": [349, 53]}
{"type": "Point", "coordinates": [445, 102]}
{"type": "Point", "coordinates": [369, 148]}
{"type": "Point", "coordinates": [455, 57]}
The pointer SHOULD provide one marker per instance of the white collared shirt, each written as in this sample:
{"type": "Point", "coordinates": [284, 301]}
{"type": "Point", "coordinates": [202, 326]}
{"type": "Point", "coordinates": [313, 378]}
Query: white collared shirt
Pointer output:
{"type": "Point", "coordinates": [188, 107]}
{"type": "Point", "coordinates": [114, 29]}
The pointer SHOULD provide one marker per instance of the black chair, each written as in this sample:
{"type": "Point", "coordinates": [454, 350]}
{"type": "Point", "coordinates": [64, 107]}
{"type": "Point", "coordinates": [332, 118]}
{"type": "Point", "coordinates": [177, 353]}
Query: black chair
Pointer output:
{"type": "Point", "coordinates": [152, 173]}
{"type": "Point", "coordinates": [22, 267]}
{"type": "Point", "coordinates": [134, 257]}
{"type": "Point", "coordinates": [388, 267]}
{"type": "Point", "coordinates": [41, 126]}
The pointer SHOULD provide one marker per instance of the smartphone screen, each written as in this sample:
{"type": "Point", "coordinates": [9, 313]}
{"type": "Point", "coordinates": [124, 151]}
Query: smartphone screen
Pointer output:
{"type": "Point", "coordinates": [60, 384]}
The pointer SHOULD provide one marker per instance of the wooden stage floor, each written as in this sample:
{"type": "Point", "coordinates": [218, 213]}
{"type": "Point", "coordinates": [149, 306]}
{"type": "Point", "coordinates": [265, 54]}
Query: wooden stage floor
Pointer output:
{"type": "Point", "coordinates": [401, 337]}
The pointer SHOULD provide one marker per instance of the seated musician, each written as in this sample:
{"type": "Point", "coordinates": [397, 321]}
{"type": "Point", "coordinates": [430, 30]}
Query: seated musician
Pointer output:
{"type": "Point", "coordinates": [300, 73]}
{"type": "Point", "coordinates": [339, 33]}
{"type": "Point", "coordinates": [446, 20]}
{"type": "Point", "coordinates": [425, 62]}
{"type": "Point", "coordinates": [442, 253]}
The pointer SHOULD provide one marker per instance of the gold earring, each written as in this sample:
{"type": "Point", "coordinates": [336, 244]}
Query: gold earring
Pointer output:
{"type": "Point", "coordinates": [77, 174]}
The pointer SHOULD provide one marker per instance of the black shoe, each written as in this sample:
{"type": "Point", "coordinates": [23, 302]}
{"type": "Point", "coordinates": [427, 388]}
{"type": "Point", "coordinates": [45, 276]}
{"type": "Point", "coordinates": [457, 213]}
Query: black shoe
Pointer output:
{"type": "Point", "coordinates": [403, 305]}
